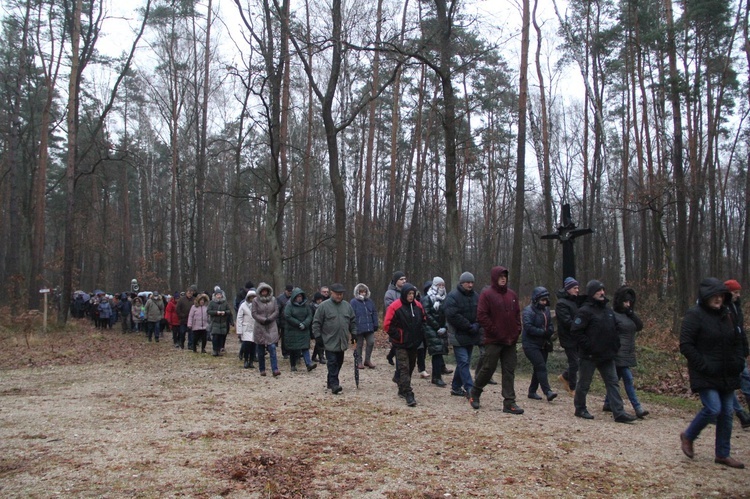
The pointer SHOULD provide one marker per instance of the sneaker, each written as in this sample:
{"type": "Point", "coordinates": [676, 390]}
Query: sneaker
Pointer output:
{"type": "Point", "coordinates": [513, 409]}
{"type": "Point", "coordinates": [424, 375]}
{"type": "Point", "coordinates": [410, 400]}
{"type": "Point", "coordinates": [551, 396]}
{"type": "Point", "coordinates": [606, 408]}
{"type": "Point", "coordinates": [534, 396]}
{"type": "Point", "coordinates": [458, 393]}
{"type": "Point", "coordinates": [310, 367]}
{"type": "Point", "coordinates": [584, 414]}
{"type": "Point", "coordinates": [439, 382]}
{"type": "Point", "coordinates": [625, 418]}
{"type": "Point", "coordinates": [336, 389]}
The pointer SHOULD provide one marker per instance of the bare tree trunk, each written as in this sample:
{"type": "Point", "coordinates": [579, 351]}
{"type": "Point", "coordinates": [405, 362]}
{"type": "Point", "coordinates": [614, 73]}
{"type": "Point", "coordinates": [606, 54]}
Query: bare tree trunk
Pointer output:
{"type": "Point", "coordinates": [517, 252]}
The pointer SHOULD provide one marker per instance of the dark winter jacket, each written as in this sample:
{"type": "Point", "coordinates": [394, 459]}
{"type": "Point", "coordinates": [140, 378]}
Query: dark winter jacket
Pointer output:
{"type": "Point", "coordinates": [714, 347]}
{"type": "Point", "coordinates": [595, 331]}
{"type": "Point", "coordinates": [405, 321]}
{"type": "Point", "coordinates": [461, 317]}
{"type": "Point", "coordinates": [628, 323]}
{"type": "Point", "coordinates": [499, 313]}
{"type": "Point", "coordinates": [125, 306]}
{"type": "Point", "coordinates": [296, 314]}
{"type": "Point", "coordinates": [220, 316]}
{"type": "Point", "coordinates": [537, 322]}
{"type": "Point", "coordinates": [184, 304]}
{"type": "Point", "coordinates": [565, 312]}
{"type": "Point", "coordinates": [364, 310]}
{"type": "Point", "coordinates": [282, 300]}
{"type": "Point", "coordinates": [434, 309]}
{"type": "Point", "coordinates": [334, 323]}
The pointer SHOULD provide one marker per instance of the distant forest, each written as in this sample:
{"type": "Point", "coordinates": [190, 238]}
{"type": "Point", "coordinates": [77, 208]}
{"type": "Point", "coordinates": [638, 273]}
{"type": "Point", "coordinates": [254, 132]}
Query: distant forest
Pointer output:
{"type": "Point", "coordinates": [341, 140]}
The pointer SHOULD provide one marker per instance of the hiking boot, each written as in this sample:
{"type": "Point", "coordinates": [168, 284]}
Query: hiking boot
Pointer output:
{"type": "Point", "coordinates": [625, 418]}
{"type": "Point", "coordinates": [729, 461]}
{"type": "Point", "coordinates": [551, 396]}
{"type": "Point", "coordinates": [687, 445]}
{"type": "Point", "coordinates": [276, 373]}
{"type": "Point", "coordinates": [336, 389]}
{"type": "Point", "coordinates": [447, 371]}
{"type": "Point", "coordinates": [263, 373]}
{"type": "Point", "coordinates": [439, 382]}
{"type": "Point", "coordinates": [584, 414]}
{"type": "Point", "coordinates": [410, 400]}
{"type": "Point", "coordinates": [566, 384]}
{"type": "Point", "coordinates": [606, 408]}
{"type": "Point", "coordinates": [474, 399]}
{"type": "Point", "coordinates": [534, 396]}
{"type": "Point", "coordinates": [458, 393]}
{"type": "Point", "coordinates": [641, 413]}
{"type": "Point", "coordinates": [311, 366]}
{"type": "Point", "coordinates": [513, 409]}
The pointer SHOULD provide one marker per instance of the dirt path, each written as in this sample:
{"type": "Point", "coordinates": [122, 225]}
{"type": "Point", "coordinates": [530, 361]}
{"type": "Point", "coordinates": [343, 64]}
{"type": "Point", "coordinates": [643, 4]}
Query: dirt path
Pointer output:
{"type": "Point", "coordinates": [159, 422]}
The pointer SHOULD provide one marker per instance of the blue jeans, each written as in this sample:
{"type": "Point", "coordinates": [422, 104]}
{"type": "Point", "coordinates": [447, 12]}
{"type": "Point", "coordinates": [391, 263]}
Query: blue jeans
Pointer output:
{"type": "Point", "coordinates": [717, 405]}
{"type": "Point", "coordinates": [626, 375]}
{"type": "Point", "coordinates": [462, 374]}
{"type": "Point", "coordinates": [261, 349]}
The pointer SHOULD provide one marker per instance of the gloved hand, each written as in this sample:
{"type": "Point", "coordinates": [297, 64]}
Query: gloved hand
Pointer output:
{"type": "Point", "coordinates": [267, 322]}
{"type": "Point", "coordinates": [442, 332]}
{"type": "Point", "coordinates": [474, 327]}
{"type": "Point", "coordinates": [301, 326]}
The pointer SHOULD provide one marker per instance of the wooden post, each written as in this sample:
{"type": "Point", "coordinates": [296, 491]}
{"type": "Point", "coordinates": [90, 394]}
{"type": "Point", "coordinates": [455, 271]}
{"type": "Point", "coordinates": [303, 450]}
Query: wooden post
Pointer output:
{"type": "Point", "coordinates": [45, 292]}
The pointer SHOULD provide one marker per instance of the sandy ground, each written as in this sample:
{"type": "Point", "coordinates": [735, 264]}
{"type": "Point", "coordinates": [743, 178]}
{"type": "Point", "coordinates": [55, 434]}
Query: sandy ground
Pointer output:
{"type": "Point", "coordinates": [138, 419]}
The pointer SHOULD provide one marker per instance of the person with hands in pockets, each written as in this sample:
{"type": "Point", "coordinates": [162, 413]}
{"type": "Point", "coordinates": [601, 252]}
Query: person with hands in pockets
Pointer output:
{"type": "Point", "coordinates": [537, 341]}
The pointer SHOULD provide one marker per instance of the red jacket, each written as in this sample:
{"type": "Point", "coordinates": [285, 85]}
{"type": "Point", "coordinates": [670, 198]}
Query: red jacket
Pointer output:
{"type": "Point", "coordinates": [170, 313]}
{"type": "Point", "coordinates": [499, 313]}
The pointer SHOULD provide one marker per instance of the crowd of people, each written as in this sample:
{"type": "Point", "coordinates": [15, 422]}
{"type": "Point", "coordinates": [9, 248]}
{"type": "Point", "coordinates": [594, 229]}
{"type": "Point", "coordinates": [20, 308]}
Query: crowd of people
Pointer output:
{"type": "Point", "coordinates": [594, 336]}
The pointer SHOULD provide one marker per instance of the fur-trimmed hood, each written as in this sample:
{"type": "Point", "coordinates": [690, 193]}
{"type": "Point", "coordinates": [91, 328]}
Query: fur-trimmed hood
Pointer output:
{"type": "Point", "coordinates": [270, 295]}
{"type": "Point", "coordinates": [358, 288]}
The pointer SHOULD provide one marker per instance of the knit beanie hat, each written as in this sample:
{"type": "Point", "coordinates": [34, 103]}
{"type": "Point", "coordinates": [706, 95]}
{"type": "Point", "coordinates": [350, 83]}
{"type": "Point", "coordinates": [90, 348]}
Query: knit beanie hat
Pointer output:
{"type": "Point", "coordinates": [437, 280]}
{"type": "Point", "coordinates": [569, 283]}
{"type": "Point", "coordinates": [396, 276]}
{"type": "Point", "coordinates": [593, 287]}
{"type": "Point", "coordinates": [466, 277]}
{"type": "Point", "coordinates": [732, 285]}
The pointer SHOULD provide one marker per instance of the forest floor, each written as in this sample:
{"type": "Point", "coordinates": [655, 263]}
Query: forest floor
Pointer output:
{"type": "Point", "coordinates": [101, 414]}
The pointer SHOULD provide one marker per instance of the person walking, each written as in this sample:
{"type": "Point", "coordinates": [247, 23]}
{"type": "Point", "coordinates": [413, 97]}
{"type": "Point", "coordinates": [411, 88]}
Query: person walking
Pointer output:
{"type": "Point", "coordinates": [220, 313]}
{"type": "Point", "coordinates": [405, 322]}
{"type": "Point", "coordinates": [499, 315]}
{"type": "Point", "coordinates": [154, 315]}
{"type": "Point", "coordinates": [595, 331]}
{"type": "Point", "coordinates": [319, 351]}
{"type": "Point", "coordinates": [184, 304]}
{"type": "Point", "coordinates": [334, 323]}
{"type": "Point", "coordinates": [367, 323]}
{"type": "Point", "coordinates": [265, 311]}
{"type": "Point", "coordinates": [433, 303]}
{"type": "Point", "coordinates": [298, 326]}
{"type": "Point", "coordinates": [735, 309]}
{"type": "Point", "coordinates": [628, 324]}
{"type": "Point", "coordinates": [245, 326]}
{"type": "Point", "coordinates": [537, 341]}
{"type": "Point", "coordinates": [138, 314]}
{"type": "Point", "coordinates": [715, 350]}
{"type": "Point", "coordinates": [126, 310]}
{"type": "Point", "coordinates": [463, 331]}
{"type": "Point", "coordinates": [568, 301]}
{"type": "Point", "coordinates": [198, 323]}
{"type": "Point", "coordinates": [393, 293]}
{"type": "Point", "coordinates": [170, 314]}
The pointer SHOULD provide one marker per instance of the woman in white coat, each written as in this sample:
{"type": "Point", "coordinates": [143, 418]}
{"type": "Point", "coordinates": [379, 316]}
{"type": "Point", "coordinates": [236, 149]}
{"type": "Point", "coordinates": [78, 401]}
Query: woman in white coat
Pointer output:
{"type": "Point", "coordinates": [245, 326]}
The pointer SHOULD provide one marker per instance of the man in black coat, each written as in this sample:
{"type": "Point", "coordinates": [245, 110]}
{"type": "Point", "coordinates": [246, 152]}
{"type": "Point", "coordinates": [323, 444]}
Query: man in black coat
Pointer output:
{"type": "Point", "coordinates": [565, 312]}
{"type": "Point", "coordinates": [595, 332]}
